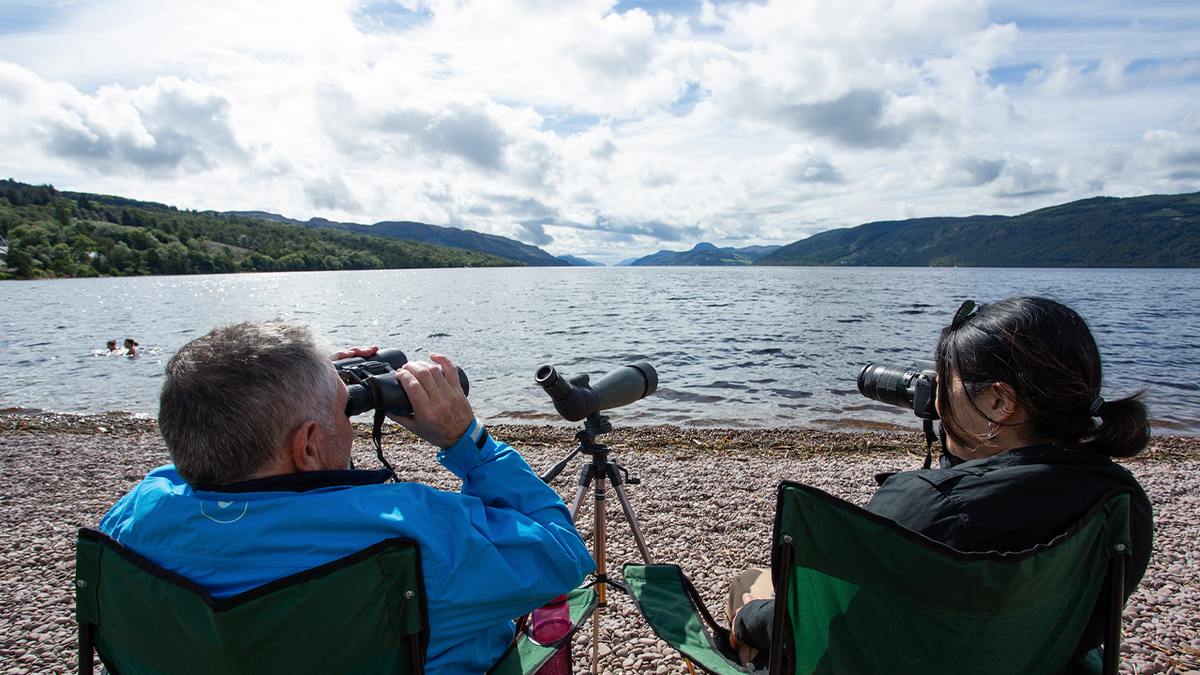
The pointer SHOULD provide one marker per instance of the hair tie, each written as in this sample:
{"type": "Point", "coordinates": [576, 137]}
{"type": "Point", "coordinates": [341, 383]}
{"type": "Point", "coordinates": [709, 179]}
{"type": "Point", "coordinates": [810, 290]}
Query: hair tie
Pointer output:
{"type": "Point", "coordinates": [1095, 409]}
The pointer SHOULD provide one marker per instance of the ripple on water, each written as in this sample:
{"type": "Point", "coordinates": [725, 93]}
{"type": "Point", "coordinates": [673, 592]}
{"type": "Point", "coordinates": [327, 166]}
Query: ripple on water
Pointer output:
{"type": "Point", "coordinates": [805, 331]}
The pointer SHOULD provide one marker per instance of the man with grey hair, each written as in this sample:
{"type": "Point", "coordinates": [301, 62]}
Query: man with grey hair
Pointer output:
{"type": "Point", "coordinates": [262, 487]}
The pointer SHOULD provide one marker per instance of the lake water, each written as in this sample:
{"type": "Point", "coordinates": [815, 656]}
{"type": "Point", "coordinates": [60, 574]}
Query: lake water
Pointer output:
{"type": "Point", "coordinates": [755, 347]}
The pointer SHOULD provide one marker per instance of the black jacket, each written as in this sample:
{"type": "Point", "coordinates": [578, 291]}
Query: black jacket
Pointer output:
{"type": "Point", "coordinates": [1015, 500]}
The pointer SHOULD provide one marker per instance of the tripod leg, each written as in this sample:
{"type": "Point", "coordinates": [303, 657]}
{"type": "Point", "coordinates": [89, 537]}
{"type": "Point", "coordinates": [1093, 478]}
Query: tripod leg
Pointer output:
{"type": "Point", "coordinates": [633, 524]}
{"type": "Point", "coordinates": [586, 476]}
{"type": "Point", "coordinates": [578, 502]}
{"type": "Point", "coordinates": [598, 537]}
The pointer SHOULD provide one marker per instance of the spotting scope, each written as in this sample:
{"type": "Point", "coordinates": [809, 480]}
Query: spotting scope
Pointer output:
{"type": "Point", "coordinates": [576, 398]}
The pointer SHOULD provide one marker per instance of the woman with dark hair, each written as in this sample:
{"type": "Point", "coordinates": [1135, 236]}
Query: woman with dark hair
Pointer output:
{"type": "Point", "coordinates": [1028, 443]}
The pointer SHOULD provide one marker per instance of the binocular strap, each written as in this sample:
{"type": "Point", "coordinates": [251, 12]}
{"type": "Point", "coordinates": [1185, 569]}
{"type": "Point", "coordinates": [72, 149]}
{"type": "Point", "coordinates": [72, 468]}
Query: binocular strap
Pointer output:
{"type": "Point", "coordinates": [377, 437]}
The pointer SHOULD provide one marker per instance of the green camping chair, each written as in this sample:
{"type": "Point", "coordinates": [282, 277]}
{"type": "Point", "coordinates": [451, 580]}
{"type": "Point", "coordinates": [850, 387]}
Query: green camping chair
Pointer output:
{"type": "Point", "coordinates": [365, 613]}
{"type": "Point", "coordinates": [861, 594]}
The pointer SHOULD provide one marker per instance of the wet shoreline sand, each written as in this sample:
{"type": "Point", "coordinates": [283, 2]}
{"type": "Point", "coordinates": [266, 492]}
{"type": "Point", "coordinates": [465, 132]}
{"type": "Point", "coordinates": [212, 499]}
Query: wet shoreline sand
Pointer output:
{"type": "Point", "coordinates": [704, 501]}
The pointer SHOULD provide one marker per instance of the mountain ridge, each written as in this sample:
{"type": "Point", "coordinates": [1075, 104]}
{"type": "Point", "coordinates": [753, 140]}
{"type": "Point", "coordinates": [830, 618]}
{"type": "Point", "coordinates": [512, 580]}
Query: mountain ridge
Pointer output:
{"type": "Point", "coordinates": [1154, 231]}
{"type": "Point", "coordinates": [704, 254]}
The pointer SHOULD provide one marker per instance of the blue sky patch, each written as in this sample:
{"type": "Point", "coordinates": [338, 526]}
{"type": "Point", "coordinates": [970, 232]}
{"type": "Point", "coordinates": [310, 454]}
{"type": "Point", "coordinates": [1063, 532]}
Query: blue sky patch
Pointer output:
{"type": "Point", "coordinates": [382, 16]}
{"type": "Point", "coordinates": [29, 17]}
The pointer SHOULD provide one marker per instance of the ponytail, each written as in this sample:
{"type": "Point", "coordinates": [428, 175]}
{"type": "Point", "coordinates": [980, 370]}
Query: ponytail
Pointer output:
{"type": "Point", "coordinates": [1124, 428]}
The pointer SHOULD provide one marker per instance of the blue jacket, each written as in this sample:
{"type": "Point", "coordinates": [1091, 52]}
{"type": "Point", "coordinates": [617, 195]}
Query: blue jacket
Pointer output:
{"type": "Point", "coordinates": [502, 547]}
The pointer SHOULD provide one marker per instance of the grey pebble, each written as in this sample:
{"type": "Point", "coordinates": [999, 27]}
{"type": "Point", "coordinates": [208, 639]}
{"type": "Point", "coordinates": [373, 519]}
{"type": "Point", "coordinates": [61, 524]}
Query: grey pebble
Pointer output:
{"type": "Point", "coordinates": [709, 514]}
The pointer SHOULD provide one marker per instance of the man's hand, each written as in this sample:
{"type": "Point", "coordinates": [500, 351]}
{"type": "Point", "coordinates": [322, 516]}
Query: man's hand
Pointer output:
{"type": "Point", "coordinates": [351, 352]}
{"type": "Point", "coordinates": [441, 413]}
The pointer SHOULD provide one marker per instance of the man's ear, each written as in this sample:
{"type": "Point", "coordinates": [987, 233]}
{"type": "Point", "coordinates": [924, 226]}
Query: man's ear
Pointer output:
{"type": "Point", "coordinates": [304, 446]}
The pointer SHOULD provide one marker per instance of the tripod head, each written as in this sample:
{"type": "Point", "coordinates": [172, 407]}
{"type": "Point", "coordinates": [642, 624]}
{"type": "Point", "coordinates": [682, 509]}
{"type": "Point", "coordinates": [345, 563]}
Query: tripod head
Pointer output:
{"type": "Point", "coordinates": [595, 425]}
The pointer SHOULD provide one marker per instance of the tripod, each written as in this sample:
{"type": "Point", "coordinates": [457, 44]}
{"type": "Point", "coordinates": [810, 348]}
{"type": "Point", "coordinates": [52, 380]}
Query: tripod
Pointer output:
{"type": "Point", "coordinates": [600, 470]}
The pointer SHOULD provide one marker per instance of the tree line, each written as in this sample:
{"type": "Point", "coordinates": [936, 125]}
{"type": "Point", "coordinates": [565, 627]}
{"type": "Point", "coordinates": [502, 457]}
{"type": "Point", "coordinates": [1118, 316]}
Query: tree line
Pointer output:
{"type": "Point", "coordinates": [51, 234]}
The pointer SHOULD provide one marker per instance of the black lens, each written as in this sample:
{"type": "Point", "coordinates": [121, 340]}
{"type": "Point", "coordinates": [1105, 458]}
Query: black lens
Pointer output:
{"type": "Point", "coordinates": [887, 384]}
{"type": "Point", "coordinates": [359, 400]}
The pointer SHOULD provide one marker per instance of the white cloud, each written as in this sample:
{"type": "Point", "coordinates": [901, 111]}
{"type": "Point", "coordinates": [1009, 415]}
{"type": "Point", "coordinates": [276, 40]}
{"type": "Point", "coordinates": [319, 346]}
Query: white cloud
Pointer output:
{"type": "Point", "coordinates": [1023, 178]}
{"type": "Point", "coordinates": [612, 133]}
{"type": "Point", "coordinates": [165, 129]}
{"type": "Point", "coordinates": [1170, 156]}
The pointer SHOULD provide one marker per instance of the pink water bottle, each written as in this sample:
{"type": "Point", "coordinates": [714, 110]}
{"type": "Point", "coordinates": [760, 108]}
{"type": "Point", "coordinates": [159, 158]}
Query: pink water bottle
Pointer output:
{"type": "Point", "coordinates": [549, 624]}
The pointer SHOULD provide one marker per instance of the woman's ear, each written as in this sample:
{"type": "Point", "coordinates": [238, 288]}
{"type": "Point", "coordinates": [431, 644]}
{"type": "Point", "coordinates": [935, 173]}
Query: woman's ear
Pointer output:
{"type": "Point", "coordinates": [998, 402]}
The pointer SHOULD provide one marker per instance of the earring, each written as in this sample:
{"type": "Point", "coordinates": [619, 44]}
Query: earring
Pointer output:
{"type": "Point", "coordinates": [992, 433]}
{"type": "Point", "coordinates": [1006, 411]}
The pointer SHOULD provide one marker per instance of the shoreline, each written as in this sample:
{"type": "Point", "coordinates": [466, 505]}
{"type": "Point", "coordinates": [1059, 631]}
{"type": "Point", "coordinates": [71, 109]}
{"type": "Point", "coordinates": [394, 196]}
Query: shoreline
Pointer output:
{"type": "Point", "coordinates": [787, 442]}
{"type": "Point", "coordinates": [705, 502]}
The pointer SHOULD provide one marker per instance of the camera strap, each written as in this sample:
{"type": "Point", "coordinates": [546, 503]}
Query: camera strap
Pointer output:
{"type": "Point", "coordinates": [377, 438]}
{"type": "Point", "coordinates": [929, 438]}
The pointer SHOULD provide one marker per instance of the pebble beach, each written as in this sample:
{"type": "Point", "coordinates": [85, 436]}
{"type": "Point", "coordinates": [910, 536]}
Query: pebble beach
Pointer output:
{"type": "Point", "coordinates": [705, 501]}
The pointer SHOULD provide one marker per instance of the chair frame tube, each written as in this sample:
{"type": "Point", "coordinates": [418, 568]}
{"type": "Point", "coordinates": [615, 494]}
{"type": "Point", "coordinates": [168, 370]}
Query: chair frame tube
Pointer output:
{"type": "Point", "coordinates": [1116, 599]}
{"type": "Point", "coordinates": [87, 644]}
{"type": "Point", "coordinates": [779, 627]}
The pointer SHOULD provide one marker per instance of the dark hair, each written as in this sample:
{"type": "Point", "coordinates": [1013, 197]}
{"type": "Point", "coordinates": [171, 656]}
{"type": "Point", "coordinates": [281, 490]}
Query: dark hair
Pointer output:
{"type": "Point", "coordinates": [231, 397]}
{"type": "Point", "coordinates": [1045, 352]}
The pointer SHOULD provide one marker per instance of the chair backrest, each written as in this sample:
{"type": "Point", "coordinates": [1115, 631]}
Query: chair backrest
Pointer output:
{"type": "Point", "coordinates": [365, 613]}
{"type": "Point", "coordinates": [864, 595]}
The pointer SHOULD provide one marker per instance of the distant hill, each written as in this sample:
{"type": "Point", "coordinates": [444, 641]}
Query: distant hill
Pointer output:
{"type": "Point", "coordinates": [1151, 231]}
{"type": "Point", "coordinates": [52, 234]}
{"type": "Point", "coordinates": [579, 262]}
{"type": "Point", "coordinates": [434, 234]}
{"type": "Point", "coordinates": [468, 239]}
{"type": "Point", "coordinates": [705, 254]}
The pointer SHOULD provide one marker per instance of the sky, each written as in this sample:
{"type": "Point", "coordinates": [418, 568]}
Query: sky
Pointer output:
{"type": "Point", "coordinates": [601, 129]}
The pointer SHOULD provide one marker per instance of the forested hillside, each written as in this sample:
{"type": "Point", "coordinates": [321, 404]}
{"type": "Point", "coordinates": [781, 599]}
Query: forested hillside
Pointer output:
{"type": "Point", "coordinates": [1151, 231]}
{"type": "Point", "coordinates": [458, 238]}
{"type": "Point", "coordinates": [53, 234]}
{"type": "Point", "coordinates": [432, 234]}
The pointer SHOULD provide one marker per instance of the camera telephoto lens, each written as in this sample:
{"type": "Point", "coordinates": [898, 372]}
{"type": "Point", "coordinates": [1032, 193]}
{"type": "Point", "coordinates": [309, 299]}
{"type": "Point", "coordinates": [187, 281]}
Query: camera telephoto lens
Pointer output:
{"type": "Point", "coordinates": [913, 387]}
{"type": "Point", "coordinates": [885, 383]}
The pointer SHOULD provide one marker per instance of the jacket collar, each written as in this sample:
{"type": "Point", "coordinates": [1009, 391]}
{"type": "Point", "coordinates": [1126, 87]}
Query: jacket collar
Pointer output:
{"type": "Point", "coordinates": [302, 482]}
{"type": "Point", "coordinates": [1046, 453]}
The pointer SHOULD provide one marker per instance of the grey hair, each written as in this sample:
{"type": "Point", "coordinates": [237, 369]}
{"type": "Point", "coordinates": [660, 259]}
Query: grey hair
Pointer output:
{"type": "Point", "coordinates": [231, 398]}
